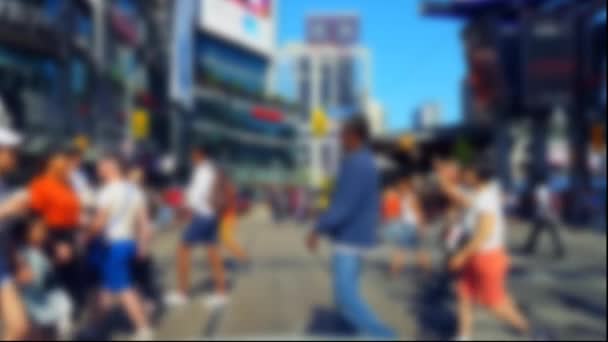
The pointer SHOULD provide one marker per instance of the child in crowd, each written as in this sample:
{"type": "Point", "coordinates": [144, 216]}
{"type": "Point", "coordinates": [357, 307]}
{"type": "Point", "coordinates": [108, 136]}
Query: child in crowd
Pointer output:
{"type": "Point", "coordinates": [48, 306]}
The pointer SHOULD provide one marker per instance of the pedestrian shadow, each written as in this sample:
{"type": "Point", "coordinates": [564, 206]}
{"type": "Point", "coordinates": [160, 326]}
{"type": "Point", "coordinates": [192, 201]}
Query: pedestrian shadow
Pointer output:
{"type": "Point", "coordinates": [584, 332]}
{"type": "Point", "coordinates": [595, 309]}
{"type": "Point", "coordinates": [518, 272]}
{"type": "Point", "coordinates": [208, 286]}
{"type": "Point", "coordinates": [116, 322]}
{"type": "Point", "coordinates": [212, 326]}
{"type": "Point", "coordinates": [434, 310]}
{"type": "Point", "coordinates": [328, 322]}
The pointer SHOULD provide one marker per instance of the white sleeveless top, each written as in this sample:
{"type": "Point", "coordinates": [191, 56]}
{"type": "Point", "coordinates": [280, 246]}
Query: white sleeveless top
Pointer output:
{"type": "Point", "coordinates": [488, 201]}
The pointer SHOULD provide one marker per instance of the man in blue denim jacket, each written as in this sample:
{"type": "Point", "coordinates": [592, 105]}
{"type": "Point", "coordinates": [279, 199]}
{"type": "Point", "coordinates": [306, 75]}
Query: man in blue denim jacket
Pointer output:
{"type": "Point", "coordinates": [351, 223]}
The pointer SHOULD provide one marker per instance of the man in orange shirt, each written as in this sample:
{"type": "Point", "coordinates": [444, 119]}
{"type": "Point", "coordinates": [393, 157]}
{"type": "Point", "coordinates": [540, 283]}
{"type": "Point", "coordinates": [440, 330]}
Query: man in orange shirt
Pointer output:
{"type": "Point", "coordinates": [52, 196]}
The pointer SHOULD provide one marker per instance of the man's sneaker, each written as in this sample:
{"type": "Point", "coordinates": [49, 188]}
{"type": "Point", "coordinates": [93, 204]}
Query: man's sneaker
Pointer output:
{"type": "Point", "coordinates": [143, 335]}
{"type": "Point", "coordinates": [215, 301]}
{"type": "Point", "coordinates": [175, 299]}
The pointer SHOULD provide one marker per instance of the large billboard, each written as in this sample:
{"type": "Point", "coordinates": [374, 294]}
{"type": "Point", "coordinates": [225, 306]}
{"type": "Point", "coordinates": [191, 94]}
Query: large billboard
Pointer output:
{"type": "Point", "coordinates": [249, 23]}
{"type": "Point", "coordinates": [549, 62]}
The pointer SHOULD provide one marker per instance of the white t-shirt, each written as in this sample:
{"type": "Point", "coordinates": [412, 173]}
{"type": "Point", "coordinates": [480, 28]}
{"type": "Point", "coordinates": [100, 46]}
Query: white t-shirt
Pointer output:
{"type": "Point", "coordinates": [200, 190]}
{"type": "Point", "coordinates": [488, 201]}
{"type": "Point", "coordinates": [408, 212]}
{"type": "Point", "coordinates": [82, 187]}
{"type": "Point", "coordinates": [123, 202]}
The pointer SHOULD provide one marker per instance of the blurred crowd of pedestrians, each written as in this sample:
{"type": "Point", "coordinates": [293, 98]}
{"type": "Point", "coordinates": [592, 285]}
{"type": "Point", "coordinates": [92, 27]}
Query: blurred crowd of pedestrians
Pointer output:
{"type": "Point", "coordinates": [75, 244]}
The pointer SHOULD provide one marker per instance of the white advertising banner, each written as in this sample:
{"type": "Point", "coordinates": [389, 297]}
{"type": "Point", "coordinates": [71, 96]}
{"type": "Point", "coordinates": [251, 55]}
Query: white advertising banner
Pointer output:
{"type": "Point", "coordinates": [248, 23]}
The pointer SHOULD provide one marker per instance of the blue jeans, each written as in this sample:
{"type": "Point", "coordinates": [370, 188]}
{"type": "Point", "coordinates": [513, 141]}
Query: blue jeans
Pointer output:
{"type": "Point", "coordinates": [5, 274]}
{"type": "Point", "coordinates": [348, 299]}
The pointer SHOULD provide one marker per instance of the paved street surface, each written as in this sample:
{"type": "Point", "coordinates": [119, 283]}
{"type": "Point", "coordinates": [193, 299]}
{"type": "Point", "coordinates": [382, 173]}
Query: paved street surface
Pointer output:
{"type": "Point", "coordinates": [285, 294]}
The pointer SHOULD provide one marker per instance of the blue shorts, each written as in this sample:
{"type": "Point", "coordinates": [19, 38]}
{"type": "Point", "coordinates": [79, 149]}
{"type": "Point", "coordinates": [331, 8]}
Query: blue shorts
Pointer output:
{"type": "Point", "coordinates": [114, 263]}
{"type": "Point", "coordinates": [5, 274]}
{"type": "Point", "coordinates": [202, 231]}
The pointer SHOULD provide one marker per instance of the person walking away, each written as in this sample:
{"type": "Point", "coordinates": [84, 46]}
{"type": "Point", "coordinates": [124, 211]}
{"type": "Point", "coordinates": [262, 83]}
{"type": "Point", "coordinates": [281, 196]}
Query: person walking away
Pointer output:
{"type": "Point", "coordinates": [229, 218]}
{"type": "Point", "coordinates": [53, 197]}
{"type": "Point", "coordinates": [12, 311]}
{"type": "Point", "coordinates": [412, 229]}
{"type": "Point", "coordinates": [483, 262]}
{"type": "Point", "coordinates": [351, 222]}
{"type": "Point", "coordinates": [48, 306]}
{"type": "Point", "coordinates": [202, 201]}
{"type": "Point", "coordinates": [546, 219]}
{"type": "Point", "coordinates": [122, 227]}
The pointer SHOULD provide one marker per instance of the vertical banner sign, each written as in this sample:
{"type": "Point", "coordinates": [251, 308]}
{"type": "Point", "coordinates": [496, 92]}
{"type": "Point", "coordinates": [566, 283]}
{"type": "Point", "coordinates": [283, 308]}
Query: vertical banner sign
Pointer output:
{"type": "Point", "coordinates": [182, 53]}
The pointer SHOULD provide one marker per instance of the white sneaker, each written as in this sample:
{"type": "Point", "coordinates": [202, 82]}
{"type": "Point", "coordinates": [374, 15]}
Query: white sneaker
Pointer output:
{"type": "Point", "coordinates": [175, 299]}
{"type": "Point", "coordinates": [143, 335]}
{"type": "Point", "coordinates": [215, 301]}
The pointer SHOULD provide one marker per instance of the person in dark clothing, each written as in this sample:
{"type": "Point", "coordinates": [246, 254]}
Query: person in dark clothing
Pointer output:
{"type": "Point", "coordinates": [546, 219]}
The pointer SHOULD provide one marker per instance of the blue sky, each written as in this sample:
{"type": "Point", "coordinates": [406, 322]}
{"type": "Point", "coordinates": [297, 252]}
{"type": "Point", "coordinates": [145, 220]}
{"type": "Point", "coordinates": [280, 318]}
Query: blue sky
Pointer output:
{"type": "Point", "coordinates": [416, 59]}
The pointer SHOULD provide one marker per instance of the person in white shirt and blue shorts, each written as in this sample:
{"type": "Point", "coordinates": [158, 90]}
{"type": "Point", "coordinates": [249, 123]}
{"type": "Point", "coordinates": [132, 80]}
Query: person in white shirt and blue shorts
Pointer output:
{"type": "Point", "coordinates": [202, 197]}
{"type": "Point", "coordinates": [122, 230]}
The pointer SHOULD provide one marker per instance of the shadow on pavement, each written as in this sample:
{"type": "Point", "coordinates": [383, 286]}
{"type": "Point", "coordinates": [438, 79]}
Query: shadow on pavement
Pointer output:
{"type": "Point", "coordinates": [584, 332]}
{"type": "Point", "coordinates": [434, 314]}
{"type": "Point", "coordinates": [329, 323]}
{"type": "Point", "coordinates": [116, 323]}
{"type": "Point", "coordinates": [595, 309]}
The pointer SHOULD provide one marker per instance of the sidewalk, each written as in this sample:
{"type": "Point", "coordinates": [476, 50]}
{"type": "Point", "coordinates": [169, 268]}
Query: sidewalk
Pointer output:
{"type": "Point", "coordinates": [287, 294]}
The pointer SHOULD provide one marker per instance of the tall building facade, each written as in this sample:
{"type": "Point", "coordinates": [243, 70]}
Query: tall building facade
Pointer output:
{"type": "Point", "coordinates": [333, 75]}
{"type": "Point", "coordinates": [328, 65]}
{"type": "Point", "coordinates": [249, 130]}
{"type": "Point", "coordinates": [102, 70]}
